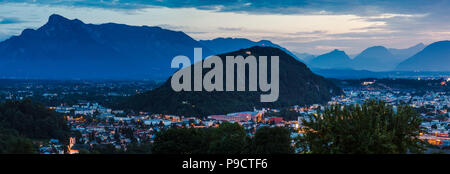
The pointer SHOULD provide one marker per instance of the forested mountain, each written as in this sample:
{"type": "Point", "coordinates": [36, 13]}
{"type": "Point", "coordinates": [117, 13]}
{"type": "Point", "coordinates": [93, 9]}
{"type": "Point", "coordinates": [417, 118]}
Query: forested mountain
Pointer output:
{"type": "Point", "coordinates": [298, 86]}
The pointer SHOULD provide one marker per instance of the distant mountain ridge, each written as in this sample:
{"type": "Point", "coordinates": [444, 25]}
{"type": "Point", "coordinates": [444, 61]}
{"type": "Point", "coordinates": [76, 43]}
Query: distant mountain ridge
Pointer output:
{"type": "Point", "coordinates": [407, 52]}
{"type": "Point", "coordinates": [64, 48]}
{"type": "Point", "coordinates": [434, 57]}
{"type": "Point", "coordinates": [376, 58]}
{"type": "Point", "coordinates": [305, 57]}
{"type": "Point", "coordinates": [335, 59]}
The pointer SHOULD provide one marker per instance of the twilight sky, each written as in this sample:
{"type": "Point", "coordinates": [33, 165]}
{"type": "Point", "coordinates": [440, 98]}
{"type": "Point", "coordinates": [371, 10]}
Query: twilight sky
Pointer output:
{"type": "Point", "coordinates": [300, 25]}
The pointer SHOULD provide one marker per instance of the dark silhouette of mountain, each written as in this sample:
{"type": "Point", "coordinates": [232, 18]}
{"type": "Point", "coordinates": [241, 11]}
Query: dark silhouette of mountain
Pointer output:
{"type": "Point", "coordinates": [298, 85]}
{"type": "Point", "coordinates": [434, 57]}
{"type": "Point", "coordinates": [407, 52]}
{"type": "Point", "coordinates": [64, 48]}
{"type": "Point", "coordinates": [376, 58]}
{"type": "Point", "coordinates": [335, 59]}
{"type": "Point", "coordinates": [225, 45]}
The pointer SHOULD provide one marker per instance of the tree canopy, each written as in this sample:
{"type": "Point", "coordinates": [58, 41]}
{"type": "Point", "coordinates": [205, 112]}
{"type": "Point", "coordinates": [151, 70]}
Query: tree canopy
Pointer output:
{"type": "Point", "coordinates": [228, 138]}
{"type": "Point", "coordinates": [23, 121]}
{"type": "Point", "coordinates": [371, 128]}
{"type": "Point", "coordinates": [274, 140]}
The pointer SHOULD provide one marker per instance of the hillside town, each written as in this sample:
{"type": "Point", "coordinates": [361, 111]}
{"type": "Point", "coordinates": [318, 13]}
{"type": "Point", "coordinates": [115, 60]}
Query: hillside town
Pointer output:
{"type": "Point", "coordinates": [97, 125]}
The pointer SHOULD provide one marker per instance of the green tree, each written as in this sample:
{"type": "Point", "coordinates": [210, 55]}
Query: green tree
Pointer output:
{"type": "Point", "coordinates": [143, 148]}
{"type": "Point", "coordinates": [83, 151]}
{"type": "Point", "coordinates": [274, 140]}
{"type": "Point", "coordinates": [19, 145]}
{"type": "Point", "coordinates": [228, 138]}
{"type": "Point", "coordinates": [105, 149]}
{"type": "Point", "coordinates": [23, 121]}
{"type": "Point", "coordinates": [180, 141]}
{"type": "Point", "coordinates": [373, 128]}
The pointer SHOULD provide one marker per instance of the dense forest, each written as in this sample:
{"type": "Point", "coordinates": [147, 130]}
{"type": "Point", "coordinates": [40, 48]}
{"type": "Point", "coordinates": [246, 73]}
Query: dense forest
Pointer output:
{"type": "Point", "coordinates": [23, 122]}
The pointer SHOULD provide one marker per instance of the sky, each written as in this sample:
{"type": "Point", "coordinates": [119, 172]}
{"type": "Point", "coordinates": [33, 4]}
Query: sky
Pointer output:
{"type": "Point", "coordinates": [314, 27]}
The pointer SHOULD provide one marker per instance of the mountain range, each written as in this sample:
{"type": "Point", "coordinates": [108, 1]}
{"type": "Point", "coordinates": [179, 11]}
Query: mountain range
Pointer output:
{"type": "Point", "coordinates": [376, 58]}
{"type": "Point", "coordinates": [335, 59]}
{"type": "Point", "coordinates": [434, 57]}
{"type": "Point", "coordinates": [407, 52]}
{"type": "Point", "coordinates": [297, 86]}
{"type": "Point", "coordinates": [304, 57]}
{"type": "Point", "coordinates": [64, 48]}
{"type": "Point", "coordinates": [70, 49]}
{"type": "Point", "coordinates": [433, 60]}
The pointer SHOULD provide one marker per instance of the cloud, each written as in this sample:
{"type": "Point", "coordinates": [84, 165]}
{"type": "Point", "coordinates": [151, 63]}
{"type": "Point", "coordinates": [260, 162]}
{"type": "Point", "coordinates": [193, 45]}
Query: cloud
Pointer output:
{"type": "Point", "coordinates": [230, 28]}
{"type": "Point", "coordinates": [315, 32]}
{"type": "Point", "coordinates": [172, 27]}
{"type": "Point", "coordinates": [393, 13]}
{"type": "Point", "coordinates": [10, 20]}
{"type": "Point", "coordinates": [196, 32]}
{"type": "Point", "coordinates": [327, 47]}
{"type": "Point", "coordinates": [363, 8]}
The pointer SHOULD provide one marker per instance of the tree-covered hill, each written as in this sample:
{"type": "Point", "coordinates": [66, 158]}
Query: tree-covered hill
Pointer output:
{"type": "Point", "coordinates": [297, 86]}
{"type": "Point", "coordinates": [23, 121]}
